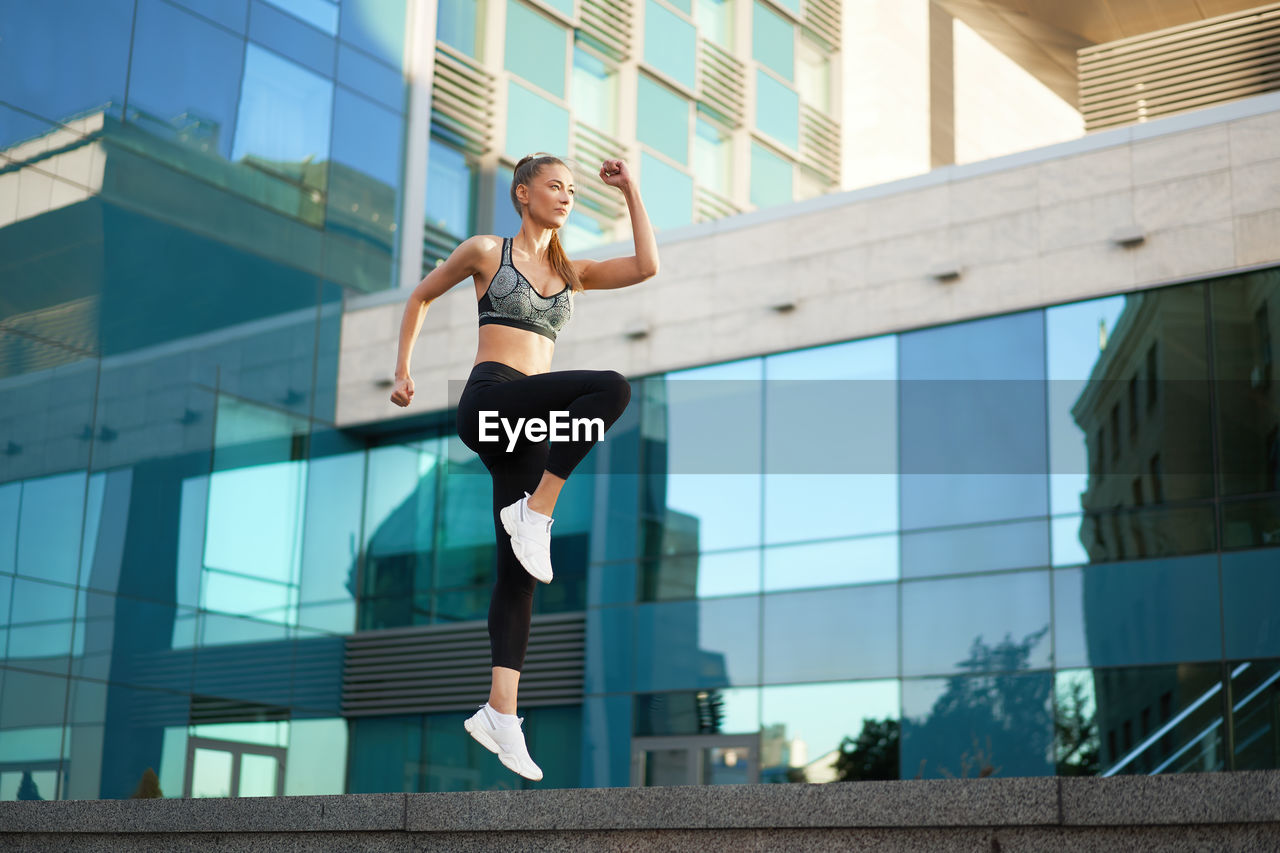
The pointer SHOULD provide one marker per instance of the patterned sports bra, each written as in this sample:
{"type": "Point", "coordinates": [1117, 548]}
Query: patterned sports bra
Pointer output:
{"type": "Point", "coordinates": [510, 300]}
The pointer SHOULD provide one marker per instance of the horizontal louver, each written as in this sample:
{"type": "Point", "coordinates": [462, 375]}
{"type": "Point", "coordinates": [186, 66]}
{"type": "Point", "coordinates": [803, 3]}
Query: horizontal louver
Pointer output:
{"type": "Point", "coordinates": [711, 205]}
{"type": "Point", "coordinates": [590, 149]}
{"type": "Point", "coordinates": [822, 18]}
{"type": "Point", "coordinates": [436, 668]}
{"type": "Point", "coordinates": [1181, 68]}
{"type": "Point", "coordinates": [820, 143]}
{"type": "Point", "coordinates": [462, 100]}
{"type": "Point", "coordinates": [607, 24]}
{"type": "Point", "coordinates": [722, 82]}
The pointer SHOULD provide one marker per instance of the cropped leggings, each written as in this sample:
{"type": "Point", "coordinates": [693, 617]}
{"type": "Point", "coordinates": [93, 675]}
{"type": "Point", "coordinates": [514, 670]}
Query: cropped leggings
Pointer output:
{"type": "Point", "coordinates": [497, 387]}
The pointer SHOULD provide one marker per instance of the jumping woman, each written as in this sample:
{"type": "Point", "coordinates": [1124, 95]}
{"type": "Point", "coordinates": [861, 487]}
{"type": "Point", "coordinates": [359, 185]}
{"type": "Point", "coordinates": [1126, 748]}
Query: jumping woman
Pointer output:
{"type": "Point", "coordinates": [525, 287]}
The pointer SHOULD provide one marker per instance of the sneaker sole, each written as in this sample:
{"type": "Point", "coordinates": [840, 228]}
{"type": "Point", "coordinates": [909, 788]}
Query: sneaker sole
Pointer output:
{"type": "Point", "coordinates": [492, 745]}
{"type": "Point", "coordinates": [508, 524]}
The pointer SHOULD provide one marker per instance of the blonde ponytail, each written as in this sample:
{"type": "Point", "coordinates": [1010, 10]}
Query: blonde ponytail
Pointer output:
{"type": "Point", "coordinates": [526, 170]}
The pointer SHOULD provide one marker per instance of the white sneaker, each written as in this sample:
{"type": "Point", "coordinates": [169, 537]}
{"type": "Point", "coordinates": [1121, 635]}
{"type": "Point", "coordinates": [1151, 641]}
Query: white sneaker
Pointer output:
{"type": "Point", "coordinates": [507, 743]}
{"type": "Point", "coordinates": [530, 538]}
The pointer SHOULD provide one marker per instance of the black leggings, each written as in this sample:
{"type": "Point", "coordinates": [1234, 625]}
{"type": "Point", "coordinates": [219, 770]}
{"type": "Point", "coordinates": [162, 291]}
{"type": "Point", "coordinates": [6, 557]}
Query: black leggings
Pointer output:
{"type": "Point", "coordinates": [497, 387]}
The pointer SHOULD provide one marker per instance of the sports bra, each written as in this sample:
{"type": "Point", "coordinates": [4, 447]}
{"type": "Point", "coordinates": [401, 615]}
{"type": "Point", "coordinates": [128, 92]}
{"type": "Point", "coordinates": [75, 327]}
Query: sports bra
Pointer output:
{"type": "Point", "coordinates": [510, 300]}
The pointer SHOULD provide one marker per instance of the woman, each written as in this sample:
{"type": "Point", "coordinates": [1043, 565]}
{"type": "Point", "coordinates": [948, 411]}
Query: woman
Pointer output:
{"type": "Point", "coordinates": [525, 287]}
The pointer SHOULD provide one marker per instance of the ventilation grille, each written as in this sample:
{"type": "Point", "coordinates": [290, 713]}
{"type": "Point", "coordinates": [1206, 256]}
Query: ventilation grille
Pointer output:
{"type": "Point", "coordinates": [822, 18]}
{"type": "Point", "coordinates": [722, 82]}
{"type": "Point", "coordinates": [711, 205]}
{"type": "Point", "coordinates": [820, 143]}
{"type": "Point", "coordinates": [1181, 68]}
{"type": "Point", "coordinates": [607, 25]}
{"type": "Point", "coordinates": [462, 100]}
{"type": "Point", "coordinates": [447, 667]}
{"type": "Point", "coordinates": [590, 149]}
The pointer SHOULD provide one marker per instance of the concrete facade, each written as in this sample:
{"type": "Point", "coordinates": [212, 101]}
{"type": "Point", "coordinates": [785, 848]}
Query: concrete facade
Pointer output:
{"type": "Point", "coordinates": [1027, 230]}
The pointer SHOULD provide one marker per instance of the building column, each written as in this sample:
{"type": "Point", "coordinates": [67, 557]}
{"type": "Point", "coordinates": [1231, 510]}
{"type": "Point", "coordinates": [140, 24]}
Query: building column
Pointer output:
{"type": "Point", "coordinates": [420, 54]}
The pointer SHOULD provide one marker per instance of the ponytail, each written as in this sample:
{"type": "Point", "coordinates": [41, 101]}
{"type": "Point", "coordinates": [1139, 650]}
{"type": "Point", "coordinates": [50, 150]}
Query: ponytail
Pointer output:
{"type": "Point", "coordinates": [526, 170]}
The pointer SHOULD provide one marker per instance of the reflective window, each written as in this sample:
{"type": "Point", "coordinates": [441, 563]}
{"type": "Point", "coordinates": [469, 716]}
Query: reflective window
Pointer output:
{"type": "Point", "coordinates": [984, 547]}
{"type": "Point", "coordinates": [232, 14]}
{"type": "Point", "coordinates": [400, 522]}
{"type": "Point", "coordinates": [1252, 714]}
{"type": "Point", "coordinates": [289, 37]}
{"type": "Point", "coordinates": [813, 74]}
{"type": "Point", "coordinates": [712, 155]}
{"type": "Point", "coordinates": [456, 25]}
{"type": "Point", "coordinates": [691, 644]}
{"type": "Point", "coordinates": [722, 711]}
{"type": "Point", "coordinates": [321, 14]}
{"type": "Point", "coordinates": [10, 500]}
{"type": "Point", "coordinates": [830, 732]}
{"type": "Point", "coordinates": [57, 66]}
{"type": "Point", "coordinates": [40, 625]}
{"type": "Point", "coordinates": [1141, 720]}
{"type": "Point", "coordinates": [582, 231]}
{"type": "Point", "coordinates": [685, 6]}
{"type": "Point", "coordinates": [770, 177]}
{"type": "Point", "coordinates": [284, 117]}
{"type": "Point", "coordinates": [564, 7]}
{"type": "Point", "coordinates": [370, 77]}
{"type": "Point", "coordinates": [829, 634]}
{"type": "Point", "coordinates": [670, 43]}
{"type": "Point", "coordinates": [185, 78]}
{"type": "Point", "coordinates": [972, 421]}
{"type": "Point", "coordinates": [505, 218]}
{"type": "Point", "coordinates": [449, 186]}
{"type": "Point", "coordinates": [777, 109]}
{"type": "Point", "coordinates": [535, 48]}
{"type": "Point", "coordinates": [376, 27]}
{"type": "Point", "coordinates": [317, 757]}
{"type": "Point", "coordinates": [1250, 590]}
{"type": "Point", "coordinates": [996, 623]}
{"type": "Point", "coordinates": [971, 726]}
{"type": "Point", "coordinates": [773, 40]}
{"type": "Point", "coordinates": [693, 575]}
{"type": "Point", "coordinates": [715, 21]}
{"type": "Point", "coordinates": [595, 91]}
{"type": "Point", "coordinates": [1148, 611]}
{"type": "Point", "coordinates": [533, 124]}
{"type": "Point", "coordinates": [1246, 338]}
{"type": "Point", "coordinates": [819, 484]}
{"type": "Point", "coordinates": [662, 119]}
{"type": "Point", "coordinates": [1250, 523]}
{"type": "Point", "coordinates": [331, 537]}
{"type": "Point", "coordinates": [49, 527]}
{"type": "Point", "coordinates": [669, 192]}
{"type": "Point", "coordinates": [609, 651]}
{"type": "Point", "coordinates": [845, 561]}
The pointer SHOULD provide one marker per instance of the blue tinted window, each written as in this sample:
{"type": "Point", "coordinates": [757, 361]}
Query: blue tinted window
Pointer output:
{"type": "Point", "coordinates": [1147, 611]}
{"type": "Point", "coordinates": [662, 119]}
{"type": "Point", "coordinates": [284, 110]}
{"type": "Point", "coordinates": [186, 76]}
{"type": "Point", "coordinates": [670, 43]}
{"type": "Point", "coordinates": [377, 27]}
{"type": "Point", "coordinates": [713, 156]}
{"type": "Point", "coordinates": [367, 137]}
{"type": "Point", "coordinates": [58, 65]}
{"type": "Point", "coordinates": [40, 627]}
{"type": "Point", "coordinates": [976, 624]}
{"type": "Point", "coordinates": [370, 77]}
{"type": "Point", "coordinates": [771, 177]}
{"type": "Point", "coordinates": [534, 124]}
{"type": "Point", "coordinates": [697, 644]}
{"type": "Point", "coordinates": [846, 561]}
{"type": "Point", "coordinates": [595, 91]}
{"type": "Point", "coordinates": [10, 498]}
{"type": "Point", "coordinates": [456, 25]}
{"type": "Point", "coordinates": [565, 7]}
{"type": "Point", "coordinates": [973, 421]}
{"type": "Point", "coordinates": [232, 14]}
{"type": "Point", "coordinates": [287, 35]}
{"type": "Point", "coordinates": [448, 195]}
{"type": "Point", "coordinates": [1250, 590]}
{"type": "Point", "coordinates": [668, 193]}
{"type": "Point", "coordinates": [830, 634]}
{"type": "Point", "coordinates": [581, 231]}
{"type": "Point", "coordinates": [811, 722]}
{"type": "Point", "coordinates": [777, 109]}
{"type": "Point", "coordinates": [321, 14]}
{"type": "Point", "coordinates": [978, 548]}
{"type": "Point", "coordinates": [505, 218]}
{"type": "Point", "coordinates": [715, 21]}
{"type": "Point", "coordinates": [49, 529]}
{"type": "Point", "coordinates": [773, 40]}
{"type": "Point", "coordinates": [535, 48]}
{"type": "Point", "coordinates": [609, 653]}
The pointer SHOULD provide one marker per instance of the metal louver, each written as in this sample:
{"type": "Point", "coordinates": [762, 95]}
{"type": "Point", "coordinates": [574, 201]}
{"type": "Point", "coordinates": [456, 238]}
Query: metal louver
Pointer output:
{"type": "Point", "coordinates": [722, 82]}
{"type": "Point", "coordinates": [608, 24]}
{"type": "Point", "coordinates": [590, 148]}
{"type": "Point", "coordinates": [820, 143]}
{"type": "Point", "coordinates": [435, 668]}
{"type": "Point", "coordinates": [1181, 68]}
{"type": "Point", "coordinates": [462, 100]}
{"type": "Point", "coordinates": [710, 205]}
{"type": "Point", "coordinates": [822, 18]}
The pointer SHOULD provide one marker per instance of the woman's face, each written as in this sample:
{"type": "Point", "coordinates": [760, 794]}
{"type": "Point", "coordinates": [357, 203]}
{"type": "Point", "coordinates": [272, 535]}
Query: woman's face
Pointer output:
{"type": "Point", "coordinates": [548, 196]}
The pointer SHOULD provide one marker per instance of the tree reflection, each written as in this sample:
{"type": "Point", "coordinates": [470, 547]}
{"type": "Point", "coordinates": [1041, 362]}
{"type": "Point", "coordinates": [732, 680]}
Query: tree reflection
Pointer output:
{"type": "Point", "coordinates": [873, 754]}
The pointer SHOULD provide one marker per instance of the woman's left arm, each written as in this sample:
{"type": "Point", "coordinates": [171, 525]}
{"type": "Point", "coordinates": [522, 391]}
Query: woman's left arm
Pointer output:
{"type": "Point", "coordinates": [622, 272]}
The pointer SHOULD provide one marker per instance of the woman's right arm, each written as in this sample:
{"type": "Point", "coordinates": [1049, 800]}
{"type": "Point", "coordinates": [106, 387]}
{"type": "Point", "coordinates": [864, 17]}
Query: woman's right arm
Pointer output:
{"type": "Point", "coordinates": [464, 261]}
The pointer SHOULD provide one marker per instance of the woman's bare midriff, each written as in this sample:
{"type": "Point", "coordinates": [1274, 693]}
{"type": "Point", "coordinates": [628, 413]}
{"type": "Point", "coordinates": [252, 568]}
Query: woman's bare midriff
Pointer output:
{"type": "Point", "coordinates": [528, 352]}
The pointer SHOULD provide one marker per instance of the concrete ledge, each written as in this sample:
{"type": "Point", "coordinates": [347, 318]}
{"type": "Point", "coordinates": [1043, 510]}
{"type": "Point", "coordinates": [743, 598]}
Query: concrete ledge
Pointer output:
{"type": "Point", "coordinates": [1187, 812]}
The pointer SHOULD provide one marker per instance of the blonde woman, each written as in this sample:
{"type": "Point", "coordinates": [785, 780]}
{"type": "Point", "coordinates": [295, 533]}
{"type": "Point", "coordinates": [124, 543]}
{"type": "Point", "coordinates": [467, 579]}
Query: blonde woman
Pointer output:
{"type": "Point", "coordinates": [525, 287]}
